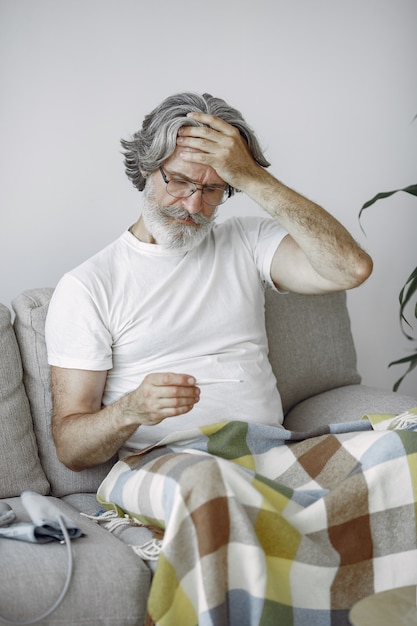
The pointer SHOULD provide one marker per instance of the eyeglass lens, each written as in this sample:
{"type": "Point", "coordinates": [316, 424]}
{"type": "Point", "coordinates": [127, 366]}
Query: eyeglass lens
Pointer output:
{"type": "Point", "coordinates": [184, 189]}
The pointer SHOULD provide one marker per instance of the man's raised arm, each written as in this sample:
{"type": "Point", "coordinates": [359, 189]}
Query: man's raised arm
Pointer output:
{"type": "Point", "coordinates": [319, 255]}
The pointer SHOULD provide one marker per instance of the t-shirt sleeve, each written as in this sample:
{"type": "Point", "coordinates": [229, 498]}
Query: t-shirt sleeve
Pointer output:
{"type": "Point", "coordinates": [264, 236]}
{"type": "Point", "coordinates": [76, 333]}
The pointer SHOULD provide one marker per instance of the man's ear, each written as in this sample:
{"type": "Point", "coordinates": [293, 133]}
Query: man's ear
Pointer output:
{"type": "Point", "coordinates": [145, 176]}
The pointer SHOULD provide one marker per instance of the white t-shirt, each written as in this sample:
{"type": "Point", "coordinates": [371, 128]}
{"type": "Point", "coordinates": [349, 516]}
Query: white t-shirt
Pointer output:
{"type": "Point", "coordinates": [137, 308]}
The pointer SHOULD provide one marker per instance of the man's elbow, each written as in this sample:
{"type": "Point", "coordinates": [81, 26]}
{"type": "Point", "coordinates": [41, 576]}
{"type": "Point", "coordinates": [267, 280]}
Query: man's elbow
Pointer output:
{"type": "Point", "coordinates": [68, 460]}
{"type": "Point", "coordinates": [362, 269]}
{"type": "Point", "coordinates": [65, 452]}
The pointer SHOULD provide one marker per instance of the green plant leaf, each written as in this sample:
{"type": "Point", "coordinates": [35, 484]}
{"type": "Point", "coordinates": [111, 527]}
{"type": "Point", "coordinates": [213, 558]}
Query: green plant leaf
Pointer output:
{"type": "Point", "coordinates": [386, 194]}
{"type": "Point", "coordinates": [406, 293]}
{"type": "Point", "coordinates": [412, 360]}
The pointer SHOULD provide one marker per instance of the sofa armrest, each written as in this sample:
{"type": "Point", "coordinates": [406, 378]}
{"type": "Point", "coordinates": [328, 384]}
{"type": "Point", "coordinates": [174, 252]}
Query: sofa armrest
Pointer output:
{"type": "Point", "coordinates": [31, 308]}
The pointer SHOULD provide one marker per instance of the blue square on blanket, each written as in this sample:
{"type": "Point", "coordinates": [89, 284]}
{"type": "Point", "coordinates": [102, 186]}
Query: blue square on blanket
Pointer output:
{"type": "Point", "coordinates": [392, 445]}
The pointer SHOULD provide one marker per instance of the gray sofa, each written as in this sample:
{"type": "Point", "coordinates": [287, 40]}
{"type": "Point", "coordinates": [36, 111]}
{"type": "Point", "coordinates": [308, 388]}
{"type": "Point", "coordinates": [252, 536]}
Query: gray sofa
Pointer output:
{"type": "Point", "coordinates": [313, 356]}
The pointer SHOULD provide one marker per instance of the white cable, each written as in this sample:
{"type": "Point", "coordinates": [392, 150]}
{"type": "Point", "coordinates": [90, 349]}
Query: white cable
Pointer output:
{"type": "Point", "coordinates": [63, 593]}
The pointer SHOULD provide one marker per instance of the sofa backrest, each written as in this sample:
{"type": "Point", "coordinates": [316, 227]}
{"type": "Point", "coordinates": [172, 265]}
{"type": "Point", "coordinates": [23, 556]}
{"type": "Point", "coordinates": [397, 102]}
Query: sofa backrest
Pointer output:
{"type": "Point", "coordinates": [30, 313]}
{"type": "Point", "coordinates": [311, 347]}
{"type": "Point", "coordinates": [20, 467]}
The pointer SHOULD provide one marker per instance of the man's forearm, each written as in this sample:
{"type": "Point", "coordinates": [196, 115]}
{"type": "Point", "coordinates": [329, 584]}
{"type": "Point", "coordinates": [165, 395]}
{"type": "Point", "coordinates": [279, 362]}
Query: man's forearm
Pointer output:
{"type": "Point", "coordinates": [87, 439]}
{"type": "Point", "coordinates": [330, 249]}
{"type": "Point", "coordinates": [87, 434]}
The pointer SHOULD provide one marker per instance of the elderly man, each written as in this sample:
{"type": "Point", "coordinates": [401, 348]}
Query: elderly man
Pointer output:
{"type": "Point", "coordinates": [178, 300]}
{"type": "Point", "coordinates": [177, 297]}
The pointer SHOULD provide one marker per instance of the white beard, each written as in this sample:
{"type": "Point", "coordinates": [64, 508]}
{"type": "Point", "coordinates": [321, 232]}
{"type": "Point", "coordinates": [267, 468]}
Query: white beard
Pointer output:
{"type": "Point", "coordinates": [168, 232]}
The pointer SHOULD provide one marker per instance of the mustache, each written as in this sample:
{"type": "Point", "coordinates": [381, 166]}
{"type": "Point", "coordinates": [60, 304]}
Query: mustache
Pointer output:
{"type": "Point", "coordinates": [179, 213]}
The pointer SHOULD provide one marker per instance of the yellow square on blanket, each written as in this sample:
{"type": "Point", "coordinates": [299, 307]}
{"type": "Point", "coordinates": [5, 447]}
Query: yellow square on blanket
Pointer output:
{"type": "Point", "coordinates": [388, 421]}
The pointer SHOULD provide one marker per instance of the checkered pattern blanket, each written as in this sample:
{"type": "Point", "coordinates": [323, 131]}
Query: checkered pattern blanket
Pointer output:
{"type": "Point", "coordinates": [264, 526]}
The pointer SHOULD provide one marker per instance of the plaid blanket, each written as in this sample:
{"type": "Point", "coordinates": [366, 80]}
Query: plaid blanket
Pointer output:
{"type": "Point", "coordinates": [264, 526]}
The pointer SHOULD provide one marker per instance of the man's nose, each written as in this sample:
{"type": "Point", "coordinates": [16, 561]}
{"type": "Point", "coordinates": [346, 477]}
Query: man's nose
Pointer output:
{"type": "Point", "coordinates": [194, 203]}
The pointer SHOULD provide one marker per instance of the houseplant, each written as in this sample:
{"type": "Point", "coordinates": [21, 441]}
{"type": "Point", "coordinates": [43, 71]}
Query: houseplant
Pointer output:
{"type": "Point", "coordinates": [407, 296]}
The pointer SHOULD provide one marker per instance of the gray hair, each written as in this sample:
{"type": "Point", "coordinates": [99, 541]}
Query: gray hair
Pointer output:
{"type": "Point", "coordinates": [156, 141]}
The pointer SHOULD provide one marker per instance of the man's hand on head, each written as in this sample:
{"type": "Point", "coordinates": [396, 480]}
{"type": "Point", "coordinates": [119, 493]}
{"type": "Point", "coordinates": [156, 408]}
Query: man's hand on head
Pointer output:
{"type": "Point", "coordinates": [222, 147]}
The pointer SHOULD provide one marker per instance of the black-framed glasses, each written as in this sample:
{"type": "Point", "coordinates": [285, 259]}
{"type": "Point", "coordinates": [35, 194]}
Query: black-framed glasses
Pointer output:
{"type": "Point", "coordinates": [211, 194]}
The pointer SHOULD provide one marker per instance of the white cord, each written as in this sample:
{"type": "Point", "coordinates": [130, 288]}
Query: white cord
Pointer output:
{"type": "Point", "coordinates": [63, 593]}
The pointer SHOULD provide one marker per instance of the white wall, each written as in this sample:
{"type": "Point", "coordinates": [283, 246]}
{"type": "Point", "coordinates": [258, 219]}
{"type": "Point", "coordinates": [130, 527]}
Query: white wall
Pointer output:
{"type": "Point", "coordinates": [328, 85]}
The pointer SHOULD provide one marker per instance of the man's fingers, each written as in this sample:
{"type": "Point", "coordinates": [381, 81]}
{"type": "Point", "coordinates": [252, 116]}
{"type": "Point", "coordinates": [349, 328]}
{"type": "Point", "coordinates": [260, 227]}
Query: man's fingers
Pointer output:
{"type": "Point", "coordinates": [169, 378]}
{"type": "Point", "coordinates": [172, 391]}
{"type": "Point", "coordinates": [168, 412]}
{"type": "Point", "coordinates": [196, 143]}
{"type": "Point", "coordinates": [212, 121]}
{"type": "Point", "coordinates": [175, 395]}
{"type": "Point", "coordinates": [201, 137]}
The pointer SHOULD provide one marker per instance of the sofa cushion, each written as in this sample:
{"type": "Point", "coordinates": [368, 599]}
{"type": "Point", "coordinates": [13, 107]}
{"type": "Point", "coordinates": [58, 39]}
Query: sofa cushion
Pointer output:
{"type": "Point", "coordinates": [31, 308]}
{"type": "Point", "coordinates": [109, 586]}
{"type": "Point", "coordinates": [310, 344]}
{"type": "Point", "coordinates": [20, 467]}
{"type": "Point", "coordinates": [345, 404]}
